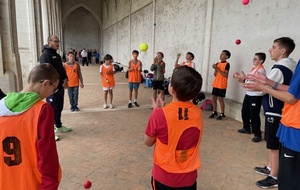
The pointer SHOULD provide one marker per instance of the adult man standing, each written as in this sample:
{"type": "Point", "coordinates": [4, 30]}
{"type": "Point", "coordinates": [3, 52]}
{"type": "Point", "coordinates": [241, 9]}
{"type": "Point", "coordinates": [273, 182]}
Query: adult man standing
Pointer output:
{"type": "Point", "coordinates": [49, 55]}
{"type": "Point", "coordinates": [84, 57]}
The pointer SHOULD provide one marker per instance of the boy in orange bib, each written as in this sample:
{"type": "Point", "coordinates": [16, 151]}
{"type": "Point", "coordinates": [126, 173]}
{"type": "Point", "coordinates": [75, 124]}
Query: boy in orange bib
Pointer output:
{"type": "Point", "coordinates": [74, 80]}
{"type": "Point", "coordinates": [134, 78]}
{"type": "Point", "coordinates": [28, 151]}
{"type": "Point", "coordinates": [176, 131]}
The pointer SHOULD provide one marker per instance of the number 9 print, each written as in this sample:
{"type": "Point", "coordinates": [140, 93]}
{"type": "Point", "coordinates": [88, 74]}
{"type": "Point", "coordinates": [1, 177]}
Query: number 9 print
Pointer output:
{"type": "Point", "coordinates": [12, 147]}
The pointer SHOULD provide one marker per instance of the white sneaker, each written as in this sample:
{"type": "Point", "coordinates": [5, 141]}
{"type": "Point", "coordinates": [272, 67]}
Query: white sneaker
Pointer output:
{"type": "Point", "coordinates": [111, 106]}
{"type": "Point", "coordinates": [56, 138]}
{"type": "Point", "coordinates": [105, 106]}
{"type": "Point", "coordinates": [62, 129]}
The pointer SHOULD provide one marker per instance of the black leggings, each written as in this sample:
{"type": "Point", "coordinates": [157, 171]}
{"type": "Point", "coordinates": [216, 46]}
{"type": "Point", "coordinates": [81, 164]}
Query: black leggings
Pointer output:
{"type": "Point", "coordinates": [159, 186]}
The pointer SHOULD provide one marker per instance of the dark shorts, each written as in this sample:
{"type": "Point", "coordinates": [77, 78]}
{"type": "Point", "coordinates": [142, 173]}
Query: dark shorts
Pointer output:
{"type": "Point", "coordinates": [159, 186]}
{"type": "Point", "coordinates": [219, 92]}
{"type": "Point", "coordinates": [158, 85]}
{"type": "Point", "coordinates": [271, 128]}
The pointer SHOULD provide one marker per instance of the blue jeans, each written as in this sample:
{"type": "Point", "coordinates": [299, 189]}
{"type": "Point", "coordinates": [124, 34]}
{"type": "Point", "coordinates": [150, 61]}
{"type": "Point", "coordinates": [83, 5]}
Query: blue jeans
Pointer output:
{"type": "Point", "coordinates": [73, 96]}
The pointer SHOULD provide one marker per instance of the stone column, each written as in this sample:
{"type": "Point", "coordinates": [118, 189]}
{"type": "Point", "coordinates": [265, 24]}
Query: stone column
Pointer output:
{"type": "Point", "coordinates": [10, 68]}
{"type": "Point", "coordinates": [51, 10]}
{"type": "Point", "coordinates": [29, 27]}
{"type": "Point", "coordinates": [207, 46]}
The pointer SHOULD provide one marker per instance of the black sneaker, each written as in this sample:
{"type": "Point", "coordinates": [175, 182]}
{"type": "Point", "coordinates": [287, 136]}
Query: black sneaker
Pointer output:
{"type": "Point", "coordinates": [136, 104]}
{"type": "Point", "coordinates": [130, 105]}
{"type": "Point", "coordinates": [262, 170]}
{"type": "Point", "coordinates": [269, 182]}
{"type": "Point", "coordinates": [213, 115]}
{"type": "Point", "coordinates": [256, 139]}
{"type": "Point", "coordinates": [221, 117]}
{"type": "Point", "coordinates": [77, 109]}
{"type": "Point", "coordinates": [244, 131]}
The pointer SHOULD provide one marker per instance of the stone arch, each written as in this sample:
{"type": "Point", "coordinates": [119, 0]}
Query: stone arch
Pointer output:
{"type": "Point", "coordinates": [93, 14]}
{"type": "Point", "coordinates": [83, 6]}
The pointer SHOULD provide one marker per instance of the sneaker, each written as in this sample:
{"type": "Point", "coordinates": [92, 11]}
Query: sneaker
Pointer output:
{"type": "Point", "coordinates": [56, 138]}
{"type": "Point", "coordinates": [262, 170]}
{"type": "Point", "coordinates": [62, 129]}
{"type": "Point", "coordinates": [136, 104]}
{"type": "Point", "coordinates": [105, 106]}
{"type": "Point", "coordinates": [269, 182]}
{"type": "Point", "coordinates": [130, 105]}
{"type": "Point", "coordinates": [77, 109]}
{"type": "Point", "coordinates": [72, 109]}
{"type": "Point", "coordinates": [111, 106]}
{"type": "Point", "coordinates": [244, 131]}
{"type": "Point", "coordinates": [256, 139]}
{"type": "Point", "coordinates": [221, 117]}
{"type": "Point", "coordinates": [213, 115]}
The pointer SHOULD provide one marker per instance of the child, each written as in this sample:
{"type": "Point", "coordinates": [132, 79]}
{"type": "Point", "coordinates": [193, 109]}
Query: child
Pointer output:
{"type": "Point", "coordinates": [107, 72]}
{"type": "Point", "coordinates": [220, 84]}
{"type": "Point", "coordinates": [28, 148]}
{"type": "Point", "coordinates": [75, 80]}
{"type": "Point", "coordinates": [280, 73]}
{"type": "Point", "coordinates": [288, 132]}
{"type": "Point", "coordinates": [252, 100]}
{"type": "Point", "coordinates": [189, 60]}
{"type": "Point", "coordinates": [176, 129]}
{"type": "Point", "coordinates": [158, 67]}
{"type": "Point", "coordinates": [134, 77]}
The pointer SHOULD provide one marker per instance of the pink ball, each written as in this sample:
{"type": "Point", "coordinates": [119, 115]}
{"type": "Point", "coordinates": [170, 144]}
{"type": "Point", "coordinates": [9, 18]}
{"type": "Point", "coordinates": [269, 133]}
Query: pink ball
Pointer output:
{"type": "Point", "coordinates": [237, 42]}
{"type": "Point", "coordinates": [245, 2]}
{"type": "Point", "coordinates": [87, 184]}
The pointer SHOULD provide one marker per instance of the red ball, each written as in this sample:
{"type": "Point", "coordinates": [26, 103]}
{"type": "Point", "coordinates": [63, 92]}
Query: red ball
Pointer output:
{"type": "Point", "coordinates": [238, 41]}
{"type": "Point", "coordinates": [87, 184]}
{"type": "Point", "coordinates": [245, 2]}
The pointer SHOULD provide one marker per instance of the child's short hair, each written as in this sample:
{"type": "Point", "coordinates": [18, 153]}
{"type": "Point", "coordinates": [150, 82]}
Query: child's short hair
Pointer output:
{"type": "Point", "coordinates": [161, 53]}
{"type": "Point", "coordinates": [108, 57]}
{"type": "Point", "coordinates": [261, 56]}
{"type": "Point", "coordinates": [227, 53]}
{"type": "Point", "coordinates": [191, 54]}
{"type": "Point", "coordinates": [287, 43]}
{"type": "Point", "coordinates": [186, 82]}
{"type": "Point", "coordinates": [70, 52]}
{"type": "Point", "coordinates": [135, 51]}
{"type": "Point", "coordinates": [41, 72]}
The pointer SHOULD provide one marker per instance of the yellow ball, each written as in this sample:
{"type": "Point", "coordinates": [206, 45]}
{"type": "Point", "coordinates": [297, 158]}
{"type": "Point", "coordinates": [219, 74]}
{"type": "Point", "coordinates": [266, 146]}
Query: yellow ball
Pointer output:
{"type": "Point", "coordinates": [143, 47]}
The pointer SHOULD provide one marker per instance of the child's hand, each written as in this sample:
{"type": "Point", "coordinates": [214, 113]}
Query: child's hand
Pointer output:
{"type": "Point", "coordinates": [214, 66]}
{"type": "Point", "coordinates": [81, 85]}
{"type": "Point", "coordinates": [159, 103]}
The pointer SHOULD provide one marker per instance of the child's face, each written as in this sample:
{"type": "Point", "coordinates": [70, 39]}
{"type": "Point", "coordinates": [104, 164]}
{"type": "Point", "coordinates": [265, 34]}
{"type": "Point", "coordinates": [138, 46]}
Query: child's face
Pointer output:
{"type": "Point", "coordinates": [71, 58]}
{"type": "Point", "coordinates": [135, 55]}
{"type": "Point", "coordinates": [256, 61]}
{"type": "Point", "coordinates": [276, 52]}
{"type": "Point", "coordinates": [159, 56]}
{"type": "Point", "coordinates": [188, 57]}
{"type": "Point", "coordinates": [223, 56]}
{"type": "Point", "coordinates": [48, 88]}
{"type": "Point", "coordinates": [109, 61]}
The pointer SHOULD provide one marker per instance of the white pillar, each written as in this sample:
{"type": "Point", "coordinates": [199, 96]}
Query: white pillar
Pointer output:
{"type": "Point", "coordinates": [207, 43]}
{"type": "Point", "coordinates": [10, 69]}
{"type": "Point", "coordinates": [29, 34]}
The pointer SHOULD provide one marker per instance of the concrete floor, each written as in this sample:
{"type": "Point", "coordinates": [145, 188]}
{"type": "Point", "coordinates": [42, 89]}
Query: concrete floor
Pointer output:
{"type": "Point", "coordinates": [107, 148]}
